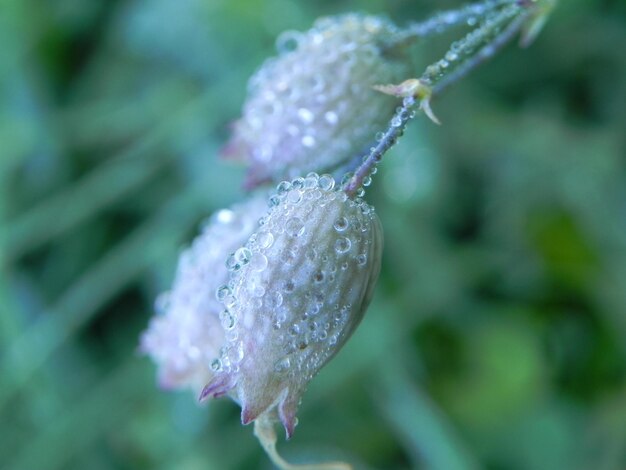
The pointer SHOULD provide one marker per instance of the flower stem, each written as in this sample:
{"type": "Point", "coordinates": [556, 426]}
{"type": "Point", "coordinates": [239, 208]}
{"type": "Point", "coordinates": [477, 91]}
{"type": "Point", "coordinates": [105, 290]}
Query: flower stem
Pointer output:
{"type": "Point", "coordinates": [440, 22]}
{"type": "Point", "coordinates": [264, 431]}
{"type": "Point", "coordinates": [463, 56]}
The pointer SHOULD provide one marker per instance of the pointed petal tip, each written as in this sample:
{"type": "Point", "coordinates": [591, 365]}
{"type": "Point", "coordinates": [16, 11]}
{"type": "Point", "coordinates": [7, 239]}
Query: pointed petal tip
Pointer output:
{"type": "Point", "coordinates": [287, 413]}
{"type": "Point", "coordinates": [248, 415]}
{"type": "Point", "coordinates": [220, 385]}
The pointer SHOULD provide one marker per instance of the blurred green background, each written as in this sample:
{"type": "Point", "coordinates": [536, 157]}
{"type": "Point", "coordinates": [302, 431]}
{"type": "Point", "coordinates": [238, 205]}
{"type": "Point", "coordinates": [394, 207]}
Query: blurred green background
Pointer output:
{"type": "Point", "coordinates": [497, 337]}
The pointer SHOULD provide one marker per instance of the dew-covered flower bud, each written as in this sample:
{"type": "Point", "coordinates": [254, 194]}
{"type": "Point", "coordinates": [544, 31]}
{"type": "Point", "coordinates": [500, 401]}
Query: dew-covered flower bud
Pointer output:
{"type": "Point", "coordinates": [186, 335]}
{"type": "Point", "coordinates": [297, 291]}
{"type": "Point", "coordinates": [313, 108]}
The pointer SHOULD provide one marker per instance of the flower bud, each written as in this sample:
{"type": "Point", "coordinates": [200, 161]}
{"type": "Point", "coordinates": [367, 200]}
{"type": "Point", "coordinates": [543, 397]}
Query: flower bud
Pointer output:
{"type": "Point", "coordinates": [299, 288]}
{"type": "Point", "coordinates": [186, 335]}
{"type": "Point", "coordinates": [313, 108]}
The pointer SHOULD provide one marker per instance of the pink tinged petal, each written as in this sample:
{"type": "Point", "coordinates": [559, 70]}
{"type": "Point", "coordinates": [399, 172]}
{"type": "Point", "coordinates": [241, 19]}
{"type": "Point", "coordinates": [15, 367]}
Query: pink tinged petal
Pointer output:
{"type": "Point", "coordinates": [287, 409]}
{"type": "Point", "coordinates": [220, 385]}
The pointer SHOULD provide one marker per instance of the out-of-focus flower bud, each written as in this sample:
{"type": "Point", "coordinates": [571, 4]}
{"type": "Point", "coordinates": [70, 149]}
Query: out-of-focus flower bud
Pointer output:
{"type": "Point", "coordinates": [313, 108]}
{"type": "Point", "coordinates": [297, 291]}
{"type": "Point", "coordinates": [186, 335]}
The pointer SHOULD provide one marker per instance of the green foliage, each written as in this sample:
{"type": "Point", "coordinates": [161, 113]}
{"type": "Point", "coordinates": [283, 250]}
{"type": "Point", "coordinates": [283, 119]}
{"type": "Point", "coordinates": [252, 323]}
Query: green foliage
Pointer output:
{"type": "Point", "coordinates": [497, 337]}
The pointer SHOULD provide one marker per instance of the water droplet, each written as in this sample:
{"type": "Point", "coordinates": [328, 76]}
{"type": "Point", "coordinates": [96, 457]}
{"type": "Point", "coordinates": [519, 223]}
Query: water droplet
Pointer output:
{"type": "Point", "coordinates": [282, 365]}
{"type": "Point", "coordinates": [288, 41]}
{"type": "Point", "coordinates": [264, 239]}
{"type": "Point", "coordinates": [283, 188]}
{"type": "Point", "coordinates": [310, 182]}
{"type": "Point", "coordinates": [379, 136]}
{"type": "Point", "coordinates": [238, 353]}
{"type": "Point", "coordinates": [224, 216]}
{"type": "Point", "coordinates": [228, 319]}
{"type": "Point", "coordinates": [216, 365]}
{"type": "Point", "coordinates": [294, 227]}
{"type": "Point", "coordinates": [294, 330]}
{"type": "Point", "coordinates": [231, 263]}
{"type": "Point", "coordinates": [346, 178]}
{"type": "Point", "coordinates": [297, 183]}
{"type": "Point", "coordinates": [311, 254]}
{"type": "Point", "coordinates": [243, 255]}
{"type": "Point", "coordinates": [367, 181]}
{"type": "Point", "coordinates": [318, 276]}
{"type": "Point", "coordinates": [258, 291]}
{"type": "Point", "coordinates": [258, 262]}
{"type": "Point", "coordinates": [342, 245]}
{"type": "Point", "coordinates": [396, 121]}
{"type": "Point", "coordinates": [274, 300]}
{"type": "Point", "coordinates": [305, 115]}
{"type": "Point", "coordinates": [222, 292]}
{"type": "Point", "coordinates": [326, 182]}
{"type": "Point", "coordinates": [308, 141]}
{"type": "Point", "coordinates": [331, 117]}
{"type": "Point", "coordinates": [294, 196]}
{"type": "Point", "coordinates": [361, 259]}
{"type": "Point", "coordinates": [273, 201]}
{"type": "Point", "coordinates": [341, 224]}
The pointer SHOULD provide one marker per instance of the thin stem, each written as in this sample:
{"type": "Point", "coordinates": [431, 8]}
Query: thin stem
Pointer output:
{"type": "Point", "coordinates": [396, 128]}
{"type": "Point", "coordinates": [465, 49]}
{"type": "Point", "coordinates": [462, 57]}
{"type": "Point", "coordinates": [484, 54]}
{"type": "Point", "coordinates": [265, 433]}
{"type": "Point", "coordinates": [443, 21]}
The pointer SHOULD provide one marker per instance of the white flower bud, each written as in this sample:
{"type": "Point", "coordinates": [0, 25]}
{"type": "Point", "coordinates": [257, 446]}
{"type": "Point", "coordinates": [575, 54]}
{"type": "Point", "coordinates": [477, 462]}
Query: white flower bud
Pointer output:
{"type": "Point", "coordinates": [300, 287]}
{"type": "Point", "coordinates": [313, 108]}
{"type": "Point", "coordinates": [186, 335]}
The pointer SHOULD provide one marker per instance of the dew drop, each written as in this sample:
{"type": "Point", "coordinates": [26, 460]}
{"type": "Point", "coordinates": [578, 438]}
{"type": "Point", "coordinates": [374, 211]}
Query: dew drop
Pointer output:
{"type": "Point", "coordinates": [243, 256]}
{"type": "Point", "coordinates": [228, 319]}
{"type": "Point", "coordinates": [297, 183]}
{"type": "Point", "coordinates": [310, 182]}
{"type": "Point", "coordinates": [264, 239]}
{"type": "Point", "coordinates": [274, 300]}
{"type": "Point", "coordinates": [258, 262]}
{"type": "Point", "coordinates": [222, 292]}
{"type": "Point", "coordinates": [288, 41]}
{"type": "Point", "coordinates": [294, 227]}
{"type": "Point", "coordinates": [342, 245]}
{"type": "Point", "coordinates": [308, 141]}
{"type": "Point", "coordinates": [282, 365]}
{"type": "Point", "coordinates": [283, 188]}
{"type": "Point", "coordinates": [341, 224]}
{"type": "Point", "coordinates": [331, 117]}
{"type": "Point", "coordinates": [326, 182]}
{"type": "Point", "coordinates": [294, 196]}
{"type": "Point", "coordinates": [305, 115]}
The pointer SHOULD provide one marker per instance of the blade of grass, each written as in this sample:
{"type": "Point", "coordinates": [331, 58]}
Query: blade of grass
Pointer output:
{"type": "Point", "coordinates": [95, 191]}
{"type": "Point", "coordinates": [87, 420]}
{"type": "Point", "coordinates": [120, 266]}
{"type": "Point", "coordinates": [427, 435]}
